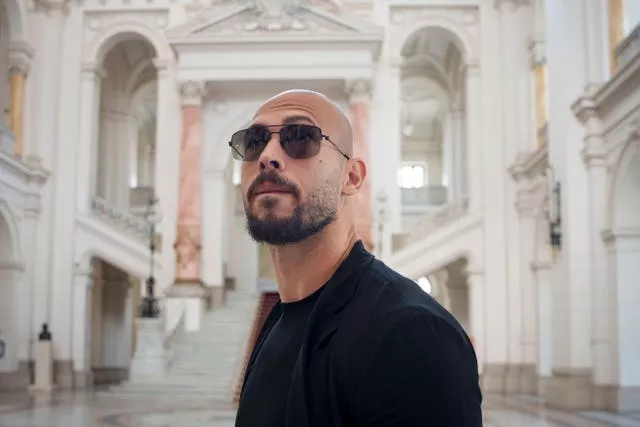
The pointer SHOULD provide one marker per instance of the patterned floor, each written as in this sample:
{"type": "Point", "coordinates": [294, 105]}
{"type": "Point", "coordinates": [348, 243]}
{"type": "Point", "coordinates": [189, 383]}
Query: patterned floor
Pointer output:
{"type": "Point", "coordinates": [96, 410]}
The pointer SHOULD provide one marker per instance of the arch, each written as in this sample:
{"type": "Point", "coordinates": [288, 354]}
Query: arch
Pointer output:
{"type": "Point", "coordinates": [16, 19]}
{"type": "Point", "coordinates": [7, 219]}
{"type": "Point", "coordinates": [96, 50]}
{"type": "Point", "coordinates": [461, 37]}
{"type": "Point", "coordinates": [621, 169]}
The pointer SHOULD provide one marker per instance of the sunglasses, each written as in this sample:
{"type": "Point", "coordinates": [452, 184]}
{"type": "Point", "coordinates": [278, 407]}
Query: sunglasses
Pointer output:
{"type": "Point", "coordinates": [299, 141]}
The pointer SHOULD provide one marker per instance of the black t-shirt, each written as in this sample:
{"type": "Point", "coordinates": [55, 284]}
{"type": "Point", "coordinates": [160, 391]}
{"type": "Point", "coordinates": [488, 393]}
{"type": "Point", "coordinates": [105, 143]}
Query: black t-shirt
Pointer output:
{"type": "Point", "coordinates": [264, 396]}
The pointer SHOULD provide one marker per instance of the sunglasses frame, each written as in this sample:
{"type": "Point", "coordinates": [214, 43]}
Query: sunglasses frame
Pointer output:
{"type": "Point", "coordinates": [323, 137]}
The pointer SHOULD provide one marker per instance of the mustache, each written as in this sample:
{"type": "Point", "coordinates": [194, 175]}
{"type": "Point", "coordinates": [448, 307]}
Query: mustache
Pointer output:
{"type": "Point", "coordinates": [271, 177]}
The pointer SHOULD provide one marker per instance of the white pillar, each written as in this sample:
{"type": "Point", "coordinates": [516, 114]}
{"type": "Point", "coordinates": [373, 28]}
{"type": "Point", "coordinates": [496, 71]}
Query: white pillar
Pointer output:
{"type": "Point", "coordinates": [214, 197]}
{"type": "Point", "coordinates": [386, 138]}
{"type": "Point", "coordinates": [604, 348]}
{"type": "Point", "coordinates": [526, 312]}
{"type": "Point", "coordinates": [477, 307]}
{"type": "Point", "coordinates": [624, 264]}
{"type": "Point", "coordinates": [81, 305]}
{"type": "Point", "coordinates": [571, 384]}
{"type": "Point", "coordinates": [28, 289]}
{"type": "Point", "coordinates": [166, 166]}
{"type": "Point", "coordinates": [88, 142]}
{"type": "Point", "coordinates": [11, 279]}
{"type": "Point", "coordinates": [458, 175]}
{"type": "Point", "coordinates": [474, 144]}
{"type": "Point", "coordinates": [544, 324]}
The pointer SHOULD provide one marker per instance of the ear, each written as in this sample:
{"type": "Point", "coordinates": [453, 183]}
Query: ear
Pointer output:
{"type": "Point", "coordinates": [356, 174]}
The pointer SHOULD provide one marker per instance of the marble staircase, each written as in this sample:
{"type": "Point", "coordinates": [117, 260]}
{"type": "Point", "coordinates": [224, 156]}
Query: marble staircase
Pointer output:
{"type": "Point", "coordinates": [205, 364]}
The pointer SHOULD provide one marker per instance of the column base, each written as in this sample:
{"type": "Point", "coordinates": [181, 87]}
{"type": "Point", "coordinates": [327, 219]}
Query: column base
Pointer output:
{"type": "Point", "coordinates": [543, 387]}
{"type": "Point", "coordinates": [570, 389]}
{"type": "Point", "coordinates": [512, 378]}
{"type": "Point", "coordinates": [494, 378]}
{"type": "Point", "coordinates": [149, 360]}
{"type": "Point", "coordinates": [529, 379]}
{"type": "Point", "coordinates": [216, 296]}
{"type": "Point", "coordinates": [616, 399]}
{"type": "Point", "coordinates": [193, 297]}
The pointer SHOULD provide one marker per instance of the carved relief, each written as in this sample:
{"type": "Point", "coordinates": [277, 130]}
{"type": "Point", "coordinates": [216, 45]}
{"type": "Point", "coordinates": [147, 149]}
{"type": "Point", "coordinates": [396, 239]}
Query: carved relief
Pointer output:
{"type": "Point", "coordinates": [192, 92]}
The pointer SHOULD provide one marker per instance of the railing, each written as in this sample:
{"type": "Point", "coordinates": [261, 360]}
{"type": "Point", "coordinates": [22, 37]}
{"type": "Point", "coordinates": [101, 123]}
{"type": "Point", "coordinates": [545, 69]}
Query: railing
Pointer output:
{"type": "Point", "coordinates": [139, 197]}
{"type": "Point", "coordinates": [424, 196]}
{"type": "Point", "coordinates": [629, 48]}
{"type": "Point", "coordinates": [7, 140]}
{"type": "Point", "coordinates": [128, 222]}
{"type": "Point", "coordinates": [428, 224]}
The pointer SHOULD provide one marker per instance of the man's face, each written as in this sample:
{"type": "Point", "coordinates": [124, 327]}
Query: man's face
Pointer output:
{"type": "Point", "coordinates": [288, 200]}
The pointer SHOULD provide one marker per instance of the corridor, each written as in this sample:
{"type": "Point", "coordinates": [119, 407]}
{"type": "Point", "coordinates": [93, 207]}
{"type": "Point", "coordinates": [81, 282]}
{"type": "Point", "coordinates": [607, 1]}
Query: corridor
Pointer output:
{"type": "Point", "coordinates": [101, 410]}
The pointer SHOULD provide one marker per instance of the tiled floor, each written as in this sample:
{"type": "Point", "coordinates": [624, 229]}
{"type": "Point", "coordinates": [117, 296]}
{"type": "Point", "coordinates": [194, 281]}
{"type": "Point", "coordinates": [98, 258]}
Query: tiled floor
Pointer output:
{"type": "Point", "coordinates": [96, 410]}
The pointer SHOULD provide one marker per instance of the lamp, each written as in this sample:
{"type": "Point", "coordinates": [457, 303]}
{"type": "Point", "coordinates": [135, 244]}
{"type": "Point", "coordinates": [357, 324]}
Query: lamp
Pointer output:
{"type": "Point", "coordinates": [555, 214]}
{"type": "Point", "coordinates": [153, 215]}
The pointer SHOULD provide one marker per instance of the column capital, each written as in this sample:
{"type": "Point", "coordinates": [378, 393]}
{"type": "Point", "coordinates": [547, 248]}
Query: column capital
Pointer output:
{"type": "Point", "coordinates": [162, 66]}
{"type": "Point", "coordinates": [537, 52]}
{"type": "Point", "coordinates": [192, 92]}
{"type": "Point", "coordinates": [594, 151]}
{"type": "Point", "coordinates": [20, 56]}
{"type": "Point", "coordinates": [359, 90]}
{"type": "Point", "coordinates": [93, 70]}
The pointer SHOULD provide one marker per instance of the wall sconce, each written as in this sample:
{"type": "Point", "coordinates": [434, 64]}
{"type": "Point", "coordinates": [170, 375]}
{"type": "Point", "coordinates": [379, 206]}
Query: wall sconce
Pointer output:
{"type": "Point", "coordinates": [555, 214]}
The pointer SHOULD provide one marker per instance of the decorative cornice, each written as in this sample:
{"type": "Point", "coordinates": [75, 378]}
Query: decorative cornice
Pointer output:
{"type": "Point", "coordinates": [48, 6]}
{"type": "Point", "coordinates": [594, 152]}
{"type": "Point", "coordinates": [529, 164]}
{"type": "Point", "coordinates": [499, 4]}
{"type": "Point", "coordinates": [93, 70]}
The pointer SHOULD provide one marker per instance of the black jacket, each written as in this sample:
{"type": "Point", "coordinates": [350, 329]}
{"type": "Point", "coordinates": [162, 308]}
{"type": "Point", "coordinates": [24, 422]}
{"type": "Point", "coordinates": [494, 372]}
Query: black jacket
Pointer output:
{"type": "Point", "coordinates": [378, 351]}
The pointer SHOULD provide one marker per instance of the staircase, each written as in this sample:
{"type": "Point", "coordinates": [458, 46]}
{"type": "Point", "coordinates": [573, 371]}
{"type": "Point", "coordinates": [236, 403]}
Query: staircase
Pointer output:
{"type": "Point", "coordinates": [436, 240]}
{"type": "Point", "coordinates": [205, 364]}
{"type": "Point", "coordinates": [120, 238]}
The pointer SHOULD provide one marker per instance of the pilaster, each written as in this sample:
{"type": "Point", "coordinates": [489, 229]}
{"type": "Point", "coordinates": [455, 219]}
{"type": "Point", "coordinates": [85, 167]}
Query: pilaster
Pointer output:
{"type": "Point", "coordinates": [20, 58]}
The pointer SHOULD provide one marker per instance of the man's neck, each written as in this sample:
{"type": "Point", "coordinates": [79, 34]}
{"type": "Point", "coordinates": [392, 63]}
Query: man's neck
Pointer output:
{"type": "Point", "coordinates": [302, 268]}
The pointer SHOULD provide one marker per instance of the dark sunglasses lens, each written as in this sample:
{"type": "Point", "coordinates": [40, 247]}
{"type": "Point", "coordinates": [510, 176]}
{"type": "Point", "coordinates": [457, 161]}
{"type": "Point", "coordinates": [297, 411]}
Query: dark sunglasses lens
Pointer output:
{"type": "Point", "coordinates": [301, 141]}
{"type": "Point", "coordinates": [247, 144]}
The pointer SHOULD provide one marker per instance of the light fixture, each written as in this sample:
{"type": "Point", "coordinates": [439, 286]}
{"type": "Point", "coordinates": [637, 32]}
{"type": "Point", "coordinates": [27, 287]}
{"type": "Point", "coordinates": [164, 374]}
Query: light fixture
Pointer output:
{"type": "Point", "coordinates": [149, 307]}
{"type": "Point", "coordinates": [555, 214]}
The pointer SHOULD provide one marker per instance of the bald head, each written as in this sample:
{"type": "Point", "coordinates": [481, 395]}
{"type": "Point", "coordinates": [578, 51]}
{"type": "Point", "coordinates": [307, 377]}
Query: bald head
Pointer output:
{"type": "Point", "coordinates": [317, 109]}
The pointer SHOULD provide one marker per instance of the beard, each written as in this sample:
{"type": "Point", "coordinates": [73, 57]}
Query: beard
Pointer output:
{"type": "Point", "coordinates": [306, 220]}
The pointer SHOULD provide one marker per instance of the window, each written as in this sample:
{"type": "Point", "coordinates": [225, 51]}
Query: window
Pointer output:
{"type": "Point", "coordinates": [412, 176]}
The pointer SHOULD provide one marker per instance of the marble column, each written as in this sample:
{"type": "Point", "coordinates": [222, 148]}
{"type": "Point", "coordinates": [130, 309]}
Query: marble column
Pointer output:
{"type": "Point", "coordinates": [20, 58]}
{"type": "Point", "coordinates": [544, 324]}
{"type": "Point", "coordinates": [594, 155]}
{"type": "Point", "coordinates": [615, 12]}
{"type": "Point", "coordinates": [188, 243]}
{"type": "Point", "coordinates": [359, 101]}
{"type": "Point", "coordinates": [571, 384]}
{"type": "Point", "coordinates": [539, 68]}
{"type": "Point", "coordinates": [81, 305]}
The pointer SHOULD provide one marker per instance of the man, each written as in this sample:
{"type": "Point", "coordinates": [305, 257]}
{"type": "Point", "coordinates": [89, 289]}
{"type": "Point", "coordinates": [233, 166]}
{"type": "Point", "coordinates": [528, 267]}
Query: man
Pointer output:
{"type": "Point", "coordinates": [351, 342]}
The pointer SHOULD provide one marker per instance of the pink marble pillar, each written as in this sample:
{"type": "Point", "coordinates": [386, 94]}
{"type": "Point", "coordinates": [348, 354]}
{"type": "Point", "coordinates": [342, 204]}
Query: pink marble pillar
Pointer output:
{"type": "Point", "coordinates": [359, 100]}
{"type": "Point", "coordinates": [188, 243]}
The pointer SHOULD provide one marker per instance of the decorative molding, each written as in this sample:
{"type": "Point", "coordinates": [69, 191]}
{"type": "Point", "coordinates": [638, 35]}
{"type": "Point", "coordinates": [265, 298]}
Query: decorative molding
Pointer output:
{"type": "Point", "coordinates": [192, 92]}
{"type": "Point", "coordinates": [20, 56]}
{"type": "Point", "coordinates": [359, 90]}
{"type": "Point", "coordinates": [594, 152]}
{"type": "Point", "coordinates": [500, 4]}
{"type": "Point", "coordinates": [538, 52]}
{"type": "Point", "coordinates": [610, 236]}
{"type": "Point", "coordinates": [48, 6]}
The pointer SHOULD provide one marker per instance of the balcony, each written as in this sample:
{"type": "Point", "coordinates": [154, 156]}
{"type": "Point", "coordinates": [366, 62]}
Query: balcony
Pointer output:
{"type": "Point", "coordinates": [424, 196]}
{"type": "Point", "coordinates": [7, 140]}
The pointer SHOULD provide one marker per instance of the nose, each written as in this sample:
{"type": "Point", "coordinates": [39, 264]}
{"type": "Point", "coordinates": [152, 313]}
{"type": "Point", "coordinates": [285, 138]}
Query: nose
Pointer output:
{"type": "Point", "coordinates": [272, 157]}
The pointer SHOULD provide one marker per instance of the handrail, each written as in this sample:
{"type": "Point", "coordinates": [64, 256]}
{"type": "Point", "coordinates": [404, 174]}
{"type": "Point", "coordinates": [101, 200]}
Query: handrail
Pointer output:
{"type": "Point", "coordinates": [140, 227]}
{"type": "Point", "coordinates": [434, 220]}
